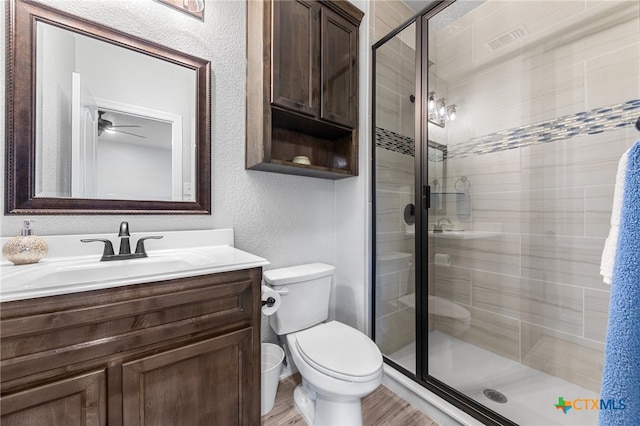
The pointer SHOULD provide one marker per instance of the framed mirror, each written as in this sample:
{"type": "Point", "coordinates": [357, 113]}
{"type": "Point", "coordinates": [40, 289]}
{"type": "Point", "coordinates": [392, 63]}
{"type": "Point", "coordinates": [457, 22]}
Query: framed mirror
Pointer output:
{"type": "Point", "coordinates": [102, 122]}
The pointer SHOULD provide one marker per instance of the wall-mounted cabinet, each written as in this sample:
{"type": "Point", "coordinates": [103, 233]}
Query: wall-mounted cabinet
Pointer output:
{"type": "Point", "coordinates": [302, 87]}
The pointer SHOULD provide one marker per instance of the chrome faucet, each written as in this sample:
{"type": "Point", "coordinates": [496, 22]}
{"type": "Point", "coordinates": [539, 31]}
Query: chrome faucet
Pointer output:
{"type": "Point", "coordinates": [125, 247]}
{"type": "Point", "coordinates": [438, 226]}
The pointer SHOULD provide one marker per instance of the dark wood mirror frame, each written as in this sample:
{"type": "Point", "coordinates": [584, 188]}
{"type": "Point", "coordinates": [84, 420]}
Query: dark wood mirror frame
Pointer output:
{"type": "Point", "coordinates": [22, 17]}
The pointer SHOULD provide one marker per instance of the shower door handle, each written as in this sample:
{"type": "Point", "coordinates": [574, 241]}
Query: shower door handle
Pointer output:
{"type": "Point", "coordinates": [426, 197]}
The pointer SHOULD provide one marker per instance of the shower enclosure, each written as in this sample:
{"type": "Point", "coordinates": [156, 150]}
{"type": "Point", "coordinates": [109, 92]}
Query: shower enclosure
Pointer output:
{"type": "Point", "coordinates": [498, 126]}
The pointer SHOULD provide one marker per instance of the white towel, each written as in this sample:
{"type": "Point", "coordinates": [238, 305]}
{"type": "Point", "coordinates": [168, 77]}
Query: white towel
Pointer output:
{"type": "Point", "coordinates": [611, 244]}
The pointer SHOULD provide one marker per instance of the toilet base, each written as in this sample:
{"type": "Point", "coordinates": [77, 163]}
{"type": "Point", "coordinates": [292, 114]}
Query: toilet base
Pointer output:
{"type": "Point", "coordinates": [305, 403]}
{"type": "Point", "coordinates": [320, 411]}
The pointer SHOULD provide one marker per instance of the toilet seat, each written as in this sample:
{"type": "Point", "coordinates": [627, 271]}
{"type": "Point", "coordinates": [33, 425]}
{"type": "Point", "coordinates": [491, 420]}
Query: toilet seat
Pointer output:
{"type": "Point", "coordinates": [340, 351]}
{"type": "Point", "coordinates": [448, 309]}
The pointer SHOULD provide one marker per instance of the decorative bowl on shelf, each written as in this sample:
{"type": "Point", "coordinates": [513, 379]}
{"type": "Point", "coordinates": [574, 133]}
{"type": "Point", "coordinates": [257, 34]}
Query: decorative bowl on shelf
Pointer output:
{"type": "Point", "coordinates": [302, 159]}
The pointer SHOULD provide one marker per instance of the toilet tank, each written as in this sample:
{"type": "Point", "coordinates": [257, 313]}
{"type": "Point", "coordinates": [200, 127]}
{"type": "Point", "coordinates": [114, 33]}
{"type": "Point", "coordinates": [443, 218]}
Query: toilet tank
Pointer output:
{"type": "Point", "coordinates": [305, 291]}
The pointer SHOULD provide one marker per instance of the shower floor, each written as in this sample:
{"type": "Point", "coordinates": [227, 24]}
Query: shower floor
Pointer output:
{"type": "Point", "coordinates": [531, 394]}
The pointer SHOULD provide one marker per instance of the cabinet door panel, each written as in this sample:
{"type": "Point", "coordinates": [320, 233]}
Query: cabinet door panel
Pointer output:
{"type": "Point", "coordinates": [77, 401]}
{"type": "Point", "coordinates": [295, 56]}
{"type": "Point", "coordinates": [339, 70]}
{"type": "Point", "coordinates": [205, 383]}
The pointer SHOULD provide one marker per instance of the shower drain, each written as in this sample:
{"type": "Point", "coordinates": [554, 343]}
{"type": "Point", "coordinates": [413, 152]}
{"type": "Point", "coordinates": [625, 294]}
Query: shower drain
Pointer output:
{"type": "Point", "coordinates": [495, 396]}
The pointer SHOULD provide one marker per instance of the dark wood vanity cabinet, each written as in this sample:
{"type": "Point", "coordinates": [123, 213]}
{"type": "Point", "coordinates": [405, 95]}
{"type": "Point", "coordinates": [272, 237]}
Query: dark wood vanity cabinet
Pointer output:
{"type": "Point", "coordinates": [179, 352]}
{"type": "Point", "coordinates": [302, 87]}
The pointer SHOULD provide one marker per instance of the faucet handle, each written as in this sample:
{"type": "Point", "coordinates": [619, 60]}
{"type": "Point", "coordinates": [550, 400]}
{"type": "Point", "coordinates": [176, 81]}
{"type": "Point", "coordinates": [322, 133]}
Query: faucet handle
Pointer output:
{"type": "Point", "coordinates": [124, 229]}
{"type": "Point", "coordinates": [108, 247]}
{"type": "Point", "coordinates": [140, 244]}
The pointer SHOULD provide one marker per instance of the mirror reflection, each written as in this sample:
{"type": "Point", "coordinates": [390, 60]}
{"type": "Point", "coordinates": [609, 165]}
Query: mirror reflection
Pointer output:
{"type": "Point", "coordinates": [111, 123]}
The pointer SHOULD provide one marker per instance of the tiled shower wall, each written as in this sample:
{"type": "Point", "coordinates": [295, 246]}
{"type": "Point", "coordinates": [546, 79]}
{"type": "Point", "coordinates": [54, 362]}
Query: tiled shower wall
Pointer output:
{"type": "Point", "coordinates": [395, 273]}
{"type": "Point", "coordinates": [395, 82]}
{"type": "Point", "coordinates": [534, 291]}
{"type": "Point", "coordinates": [395, 67]}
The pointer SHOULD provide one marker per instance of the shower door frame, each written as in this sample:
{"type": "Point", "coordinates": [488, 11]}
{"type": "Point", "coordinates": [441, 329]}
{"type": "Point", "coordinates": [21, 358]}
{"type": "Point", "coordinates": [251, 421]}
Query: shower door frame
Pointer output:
{"type": "Point", "coordinates": [421, 202]}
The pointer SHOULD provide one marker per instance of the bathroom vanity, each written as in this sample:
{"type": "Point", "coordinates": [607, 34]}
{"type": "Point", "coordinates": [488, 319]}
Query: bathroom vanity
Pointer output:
{"type": "Point", "coordinates": [182, 350]}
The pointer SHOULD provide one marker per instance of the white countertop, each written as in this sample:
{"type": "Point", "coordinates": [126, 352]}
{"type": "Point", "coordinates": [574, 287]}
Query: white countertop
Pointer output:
{"type": "Point", "coordinates": [72, 266]}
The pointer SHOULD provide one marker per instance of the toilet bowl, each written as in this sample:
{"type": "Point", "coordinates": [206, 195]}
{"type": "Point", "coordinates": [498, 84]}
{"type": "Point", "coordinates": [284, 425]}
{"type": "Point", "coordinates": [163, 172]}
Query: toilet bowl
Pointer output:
{"type": "Point", "coordinates": [449, 317]}
{"type": "Point", "coordinates": [334, 381]}
{"type": "Point", "coordinates": [339, 365]}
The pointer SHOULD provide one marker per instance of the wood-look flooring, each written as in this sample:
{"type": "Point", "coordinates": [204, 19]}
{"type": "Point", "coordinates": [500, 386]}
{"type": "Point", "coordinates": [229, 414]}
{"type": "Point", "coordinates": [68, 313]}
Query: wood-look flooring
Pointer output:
{"type": "Point", "coordinates": [381, 408]}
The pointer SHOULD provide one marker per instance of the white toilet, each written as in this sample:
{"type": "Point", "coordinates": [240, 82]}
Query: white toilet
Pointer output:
{"type": "Point", "coordinates": [339, 365]}
{"type": "Point", "coordinates": [449, 317]}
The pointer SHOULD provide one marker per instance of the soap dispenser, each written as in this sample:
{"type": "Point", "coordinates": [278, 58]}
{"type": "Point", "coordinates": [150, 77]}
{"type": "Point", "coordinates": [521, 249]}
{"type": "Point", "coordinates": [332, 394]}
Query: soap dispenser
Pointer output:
{"type": "Point", "coordinates": [25, 248]}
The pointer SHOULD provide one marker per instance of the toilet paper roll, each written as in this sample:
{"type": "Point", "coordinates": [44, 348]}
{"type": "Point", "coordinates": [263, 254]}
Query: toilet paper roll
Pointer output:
{"type": "Point", "coordinates": [268, 292]}
{"type": "Point", "coordinates": [443, 259]}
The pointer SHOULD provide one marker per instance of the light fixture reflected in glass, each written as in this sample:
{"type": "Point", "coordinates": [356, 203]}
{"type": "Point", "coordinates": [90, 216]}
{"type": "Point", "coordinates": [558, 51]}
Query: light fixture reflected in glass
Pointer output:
{"type": "Point", "coordinates": [442, 108]}
{"type": "Point", "coordinates": [438, 111]}
{"type": "Point", "coordinates": [451, 112]}
{"type": "Point", "coordinates": [432, 102]}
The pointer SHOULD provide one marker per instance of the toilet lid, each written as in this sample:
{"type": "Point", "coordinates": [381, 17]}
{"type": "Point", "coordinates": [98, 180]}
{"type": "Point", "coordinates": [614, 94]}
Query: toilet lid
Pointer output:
{"type": "Point", "coordinates": [339, 351]}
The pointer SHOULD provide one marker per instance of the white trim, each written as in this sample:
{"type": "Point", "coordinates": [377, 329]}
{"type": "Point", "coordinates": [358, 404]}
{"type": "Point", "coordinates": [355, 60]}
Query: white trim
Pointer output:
{"type": "Point", "coordinates": [76, 142]}
{"type": "Point", "coordinates": [83, 140]}
{"type": "Point", "coordinates": [176, 136]}
{"type": "Point", "coordinates": [427, 402]}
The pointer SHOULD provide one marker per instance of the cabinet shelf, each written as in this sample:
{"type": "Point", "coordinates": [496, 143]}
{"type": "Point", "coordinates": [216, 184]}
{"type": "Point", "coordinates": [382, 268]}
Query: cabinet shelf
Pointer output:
{"type": "Point", "coordinates": [283, 166]}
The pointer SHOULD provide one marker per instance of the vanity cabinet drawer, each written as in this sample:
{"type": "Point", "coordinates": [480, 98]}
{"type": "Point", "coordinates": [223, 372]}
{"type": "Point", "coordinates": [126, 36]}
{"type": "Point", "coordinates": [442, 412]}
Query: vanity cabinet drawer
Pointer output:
{"type": "Point", "coordinates": [46, 342]}
{"type": "Point", "coordinates": [94, 327]}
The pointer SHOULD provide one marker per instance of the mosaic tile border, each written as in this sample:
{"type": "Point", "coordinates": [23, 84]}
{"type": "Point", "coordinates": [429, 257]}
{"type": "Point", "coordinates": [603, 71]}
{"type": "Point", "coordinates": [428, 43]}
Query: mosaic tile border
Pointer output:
{"type": "Point", "coordinates": [583, 123]}
{"type": "Point", "coordinates": [395, 142]}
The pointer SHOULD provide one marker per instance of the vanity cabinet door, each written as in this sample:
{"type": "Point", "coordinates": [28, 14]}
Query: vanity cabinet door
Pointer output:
{"type": "Point", "coordinates": [296, 56]}
{"type": "Point", "coordinates": [210, 382]}
{"type": "Point", "coordinates": [339, 70]}
{"type": "Point", "coordinates": [79, 400]}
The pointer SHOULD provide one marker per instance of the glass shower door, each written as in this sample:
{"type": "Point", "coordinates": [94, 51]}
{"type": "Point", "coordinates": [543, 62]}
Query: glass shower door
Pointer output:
{"type": "Point", "coordinates": [545, 99]}
{"type": "Point", "coordinates": [394, 209]}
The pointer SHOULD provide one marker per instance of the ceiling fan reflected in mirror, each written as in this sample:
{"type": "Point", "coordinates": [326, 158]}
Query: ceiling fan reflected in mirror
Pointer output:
{"type": "Point", "coordinates": [105, 125]}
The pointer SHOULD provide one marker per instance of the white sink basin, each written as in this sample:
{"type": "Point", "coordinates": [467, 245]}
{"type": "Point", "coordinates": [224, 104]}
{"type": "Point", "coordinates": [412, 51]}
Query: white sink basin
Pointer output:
{"type": "Point", "coordinates": [71, 274]}
{"type": "Point", "coordinates": [463, 235]}
{"type": "Point", "coordinates": [82, 271]}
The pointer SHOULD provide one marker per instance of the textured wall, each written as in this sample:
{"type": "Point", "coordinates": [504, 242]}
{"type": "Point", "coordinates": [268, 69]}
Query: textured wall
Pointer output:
{"type": "Point", "coordinates": [286, 219]}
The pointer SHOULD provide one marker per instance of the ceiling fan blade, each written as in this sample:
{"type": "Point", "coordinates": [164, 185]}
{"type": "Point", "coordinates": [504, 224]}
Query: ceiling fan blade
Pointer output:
{"type": "Point", "coordinates": [131, 134]}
